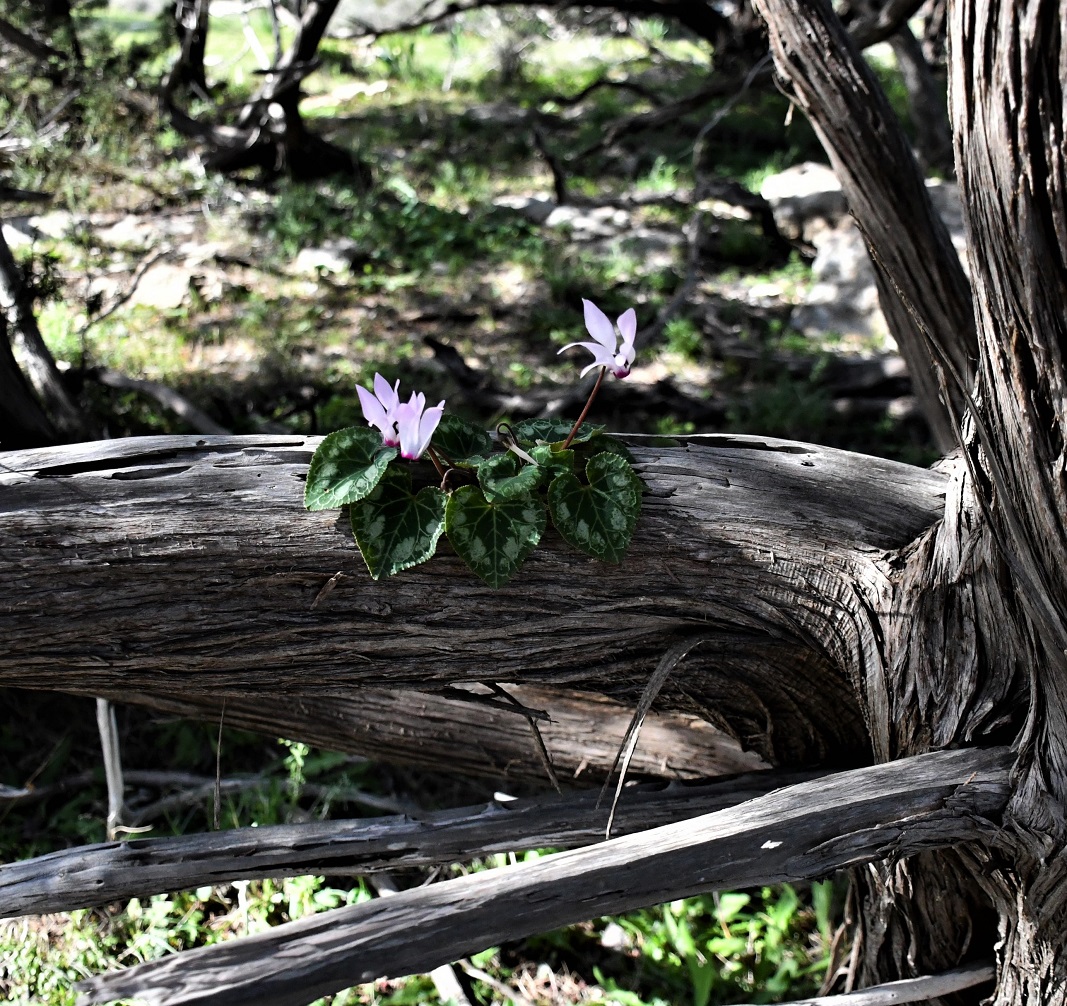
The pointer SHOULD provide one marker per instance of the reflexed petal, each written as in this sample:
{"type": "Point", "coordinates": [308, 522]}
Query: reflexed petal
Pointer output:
{"type": "Point", "coordinates": [602, 353]}
{"type": "Point", "coordinates": [594, 365]}
{"type": "Point", "coordinates": [628, 329]}
{"type": "Point", "coordinates": [389, 397]}
{"type": "Point", "coordinates": [373, 410]}
{"type": "Point", "coordinates": [598, 325]}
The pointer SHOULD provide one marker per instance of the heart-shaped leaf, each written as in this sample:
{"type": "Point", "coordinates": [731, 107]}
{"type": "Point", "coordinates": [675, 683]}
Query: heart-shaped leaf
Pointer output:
{"type": "Point", "coordinates": [396, 529]}
{"type": "Point", "coordinates": [598, 518]}
{"type": "Point", "coordinates": [551, 431]}
{"type": "Point", "coordinates": [457, 439]}
{"type": "Point", "coordinates": [555, 462]}
{"type": "Point", "coordinates": [493, 539]}
{"type": "Point", "coordinates": [600, 444]}
{"type": "Point", "coordinates": [346, 467]}
{"type": "Point", "coordinates": [502, 477]}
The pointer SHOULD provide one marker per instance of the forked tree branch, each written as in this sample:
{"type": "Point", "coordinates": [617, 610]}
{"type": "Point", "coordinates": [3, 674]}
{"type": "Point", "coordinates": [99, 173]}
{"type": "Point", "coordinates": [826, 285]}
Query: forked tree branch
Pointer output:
{"type": "Point", "coordinates": [804, 831]}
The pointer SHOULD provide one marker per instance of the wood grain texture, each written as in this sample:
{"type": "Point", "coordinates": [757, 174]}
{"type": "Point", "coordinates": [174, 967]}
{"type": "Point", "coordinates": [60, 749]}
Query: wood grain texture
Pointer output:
{"type": "Point", "coordinates": [908, 990]}
{"type": "Point", "coordinates": [582, 735]}
{"type": "Point", "coordinates": [802, 831]}
{"type": "Point", "coordinates": [137, 867]}
{"type": "Point", "coordinates": [183, 566]}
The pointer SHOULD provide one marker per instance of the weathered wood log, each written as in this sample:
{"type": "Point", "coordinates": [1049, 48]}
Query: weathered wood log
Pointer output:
{"type": "Point", "coordinates": [136, 867]}
{"type": "Point", "coordinates": [182, 567]}
{"type": "Point", "coordinates": [582, 735]}
{"type": "Point", "coordinates": [803, 831]}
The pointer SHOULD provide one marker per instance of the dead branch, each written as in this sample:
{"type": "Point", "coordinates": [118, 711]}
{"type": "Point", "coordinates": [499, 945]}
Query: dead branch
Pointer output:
{"type": "Point", "coordinates": [803, 831]}
{"type": "Point", "coordinates": [112, 871]}
{"type": "Point", "coordinates": [909, 990]}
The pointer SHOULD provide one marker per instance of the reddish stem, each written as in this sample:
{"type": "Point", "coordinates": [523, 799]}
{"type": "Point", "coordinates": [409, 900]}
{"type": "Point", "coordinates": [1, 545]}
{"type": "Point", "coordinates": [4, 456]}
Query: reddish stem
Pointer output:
{"type": "Point", "coordinates": [589, 401]}
{"type": "Point", "coordinates": [436, 461]}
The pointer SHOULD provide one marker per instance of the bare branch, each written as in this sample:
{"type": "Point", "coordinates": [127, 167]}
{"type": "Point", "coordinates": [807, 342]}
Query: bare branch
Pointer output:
{"type": "Point", "coordinates": [803, 831]}
{"type": "Point", "coordinates": [110, 871]}
{"type": "Point", "coordinates": [909, 990]}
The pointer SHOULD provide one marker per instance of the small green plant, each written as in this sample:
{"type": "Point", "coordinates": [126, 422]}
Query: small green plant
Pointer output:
{"type": "Point", "coordinates": [683, 338]}
{"type": "Point", "coordinates": [493, 505]}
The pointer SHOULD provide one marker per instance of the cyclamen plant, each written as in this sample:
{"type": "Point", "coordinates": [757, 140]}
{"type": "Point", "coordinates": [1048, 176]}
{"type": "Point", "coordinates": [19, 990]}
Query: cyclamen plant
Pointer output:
{"type": "Point", "coordinates": [492, 504]}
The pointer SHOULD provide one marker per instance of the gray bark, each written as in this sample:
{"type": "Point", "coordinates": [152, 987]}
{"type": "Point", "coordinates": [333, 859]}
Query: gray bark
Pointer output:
{"type": "Point", "coordinates": [582, 733]}
{"type": "Point", "coordinates": [803, 831]}
{"type": "Point", "coordinates": [190, 568]}
{"type": "Point", "coordinates": [137, 867]}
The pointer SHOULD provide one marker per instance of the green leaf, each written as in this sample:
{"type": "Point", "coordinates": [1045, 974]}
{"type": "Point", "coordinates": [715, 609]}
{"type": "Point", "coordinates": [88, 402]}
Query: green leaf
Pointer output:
{"type": "Point", "coordinates": [457, 439]}
{"type": "Point", "coordinates": [493, 539]}
{"type": "Point", "coordinates": [600, 444]}
{"type": "Point", "coordinates": [395, 529]}
{"type": "Point", "coordinates": [346, 467]}
{"type": "Point", "coordinates": [598, 518]}
{"type": "Point", "coordinates": [502, 477]}
{"type": "Point", "coordinates": [555, 461]}
{"type": "Point", "coordinates": [551, 431]}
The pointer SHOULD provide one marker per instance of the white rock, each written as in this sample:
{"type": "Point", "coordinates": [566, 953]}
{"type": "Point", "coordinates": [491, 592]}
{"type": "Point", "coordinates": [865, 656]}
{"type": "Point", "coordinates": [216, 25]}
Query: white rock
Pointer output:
{"type": "Point", "coordinates": [163, 286]}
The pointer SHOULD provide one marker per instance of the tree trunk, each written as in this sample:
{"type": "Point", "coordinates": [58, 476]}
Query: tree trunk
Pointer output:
{"type": "Point", "coordinates": [926, 98]}
{"type": "Point", "coordinates": [23, 422]}
{"type": "Point", "coordinates": [191, 21]}
{"type": "Point", "coordinates": [20, 326]}
{"type": "Point", "coordinates": [269, 133]}
{"type": "Point", "coordinates": [972, 642]}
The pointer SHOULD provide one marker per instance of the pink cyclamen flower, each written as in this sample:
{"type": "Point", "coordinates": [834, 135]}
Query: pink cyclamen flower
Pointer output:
{"type": "Point", "coordinates": [380, 408]}
{"type": "Point", "coordinates": [608, 351]}
{"type": "Point", "coordinates": [416, 425]}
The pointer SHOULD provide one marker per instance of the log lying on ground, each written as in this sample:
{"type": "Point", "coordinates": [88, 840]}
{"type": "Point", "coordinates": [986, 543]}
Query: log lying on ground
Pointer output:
{"type": "Point", "coordinates": [96, 874]}
{"type": "Point", "coordinates": [181, 567]}
{"type": "Point", "coordinates": [804, 831]}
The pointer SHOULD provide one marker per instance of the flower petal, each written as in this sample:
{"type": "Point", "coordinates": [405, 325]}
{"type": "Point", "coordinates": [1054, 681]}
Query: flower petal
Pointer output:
{"type": "Point", "coordinates": [416, 425]}
{"type": "Point", "coordinates": [628, 328]}
{"type": "Point", "coordinates": [600, 352]}
{"type": "Point", "coordinates": [428, 424]}
{"type": "Point", "coordinates": [389, 397]}
{"type": "Point", "coordinates": [407, 424]}
{"type": "Point", "coordinates": [373, 410]}
{"type": "Point", "coordinates": [598, 326]}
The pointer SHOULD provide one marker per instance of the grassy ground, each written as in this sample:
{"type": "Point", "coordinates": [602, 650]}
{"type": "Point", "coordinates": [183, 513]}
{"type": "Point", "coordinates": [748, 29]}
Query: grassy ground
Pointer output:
{"type": "Point", "coordinates": [264, 343]}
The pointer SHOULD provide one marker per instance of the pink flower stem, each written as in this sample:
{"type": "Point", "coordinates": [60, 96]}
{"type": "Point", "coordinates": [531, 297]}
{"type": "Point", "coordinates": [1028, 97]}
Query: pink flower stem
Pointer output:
{"type": "Point", "coordinates": [589, 401]}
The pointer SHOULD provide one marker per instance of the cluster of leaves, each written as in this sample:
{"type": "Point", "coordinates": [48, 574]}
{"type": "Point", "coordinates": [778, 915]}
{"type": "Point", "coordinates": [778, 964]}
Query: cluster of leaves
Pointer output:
{"type": "Point", "coordinates": [731, 947]}
{"type": "Point", "coordinates": [494, 506]}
